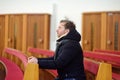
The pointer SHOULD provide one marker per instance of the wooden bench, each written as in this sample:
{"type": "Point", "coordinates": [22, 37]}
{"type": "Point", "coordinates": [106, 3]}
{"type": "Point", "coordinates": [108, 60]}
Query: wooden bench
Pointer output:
{"type": "Point", "coordinates": [108, 58]}
{"type": "Point", "coordinates": [95, 70]}
{"type": "Point", "coordinates": [42, 53]}
{"type": "Point", "coordinates": [17, 56]}
{"type": "Point", "coordinates": [92, 66]}
{"type": "Point", "coordinates": [13, 72]}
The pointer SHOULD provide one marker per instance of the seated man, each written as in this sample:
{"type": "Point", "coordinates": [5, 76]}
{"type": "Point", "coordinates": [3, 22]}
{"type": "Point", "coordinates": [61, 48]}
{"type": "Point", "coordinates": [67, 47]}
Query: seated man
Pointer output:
{"type": "Point", "coordinates": [68, 58]}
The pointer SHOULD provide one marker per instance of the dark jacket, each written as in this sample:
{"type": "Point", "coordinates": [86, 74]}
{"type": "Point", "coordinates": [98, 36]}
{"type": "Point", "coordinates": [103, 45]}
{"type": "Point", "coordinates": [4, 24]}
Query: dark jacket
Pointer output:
{"type": "Point", "coordinates": [68, 58]}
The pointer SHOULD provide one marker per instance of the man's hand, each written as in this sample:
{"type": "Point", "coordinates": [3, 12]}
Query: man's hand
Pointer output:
{"type": "Point", "coordinates": [32, 60]}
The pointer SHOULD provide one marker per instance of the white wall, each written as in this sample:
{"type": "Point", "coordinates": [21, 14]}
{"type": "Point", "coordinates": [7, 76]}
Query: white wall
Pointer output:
{"type": "Point", "coordinates": [59, 9]}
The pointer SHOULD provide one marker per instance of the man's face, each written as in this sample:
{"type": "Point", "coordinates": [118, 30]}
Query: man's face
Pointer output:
{"type": "Point", "coordinates": [61, 29]}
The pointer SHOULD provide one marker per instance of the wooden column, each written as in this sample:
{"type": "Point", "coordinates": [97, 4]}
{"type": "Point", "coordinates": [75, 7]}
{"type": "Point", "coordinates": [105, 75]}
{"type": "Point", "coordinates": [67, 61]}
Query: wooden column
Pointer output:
{"type": "Point", "coordinates": [24, 47]}
{"type": "Point", "coordinates": [46, 32]}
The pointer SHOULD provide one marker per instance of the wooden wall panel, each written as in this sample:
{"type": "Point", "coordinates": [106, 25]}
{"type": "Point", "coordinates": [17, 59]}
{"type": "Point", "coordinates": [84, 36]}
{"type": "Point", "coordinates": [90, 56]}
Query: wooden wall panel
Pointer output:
{"type": "Point", "coordinates": [91, 31]}
{"type": "Point", "coordinates": [86, 31]}
{"type": "Point", "coordinates": [15, 31]}
{"type": "Point", "coordinates": [38, 31]}
{"type": "Point", "coordinates": [113, 40]}
{"type": "Point", "coordinates": [116, 26]}
{"type": "Point", "coordinates": [118, 18]}
{"type": "Point", "coordinates": [110, 32]}
{"type": "Point", "coordinates": [96, 32]}
{"type": "Point", "coordinates": [21, 31]}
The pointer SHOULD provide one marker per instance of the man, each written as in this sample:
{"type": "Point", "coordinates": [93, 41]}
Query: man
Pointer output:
{"type": "Point", "coordinates": [68, 58]}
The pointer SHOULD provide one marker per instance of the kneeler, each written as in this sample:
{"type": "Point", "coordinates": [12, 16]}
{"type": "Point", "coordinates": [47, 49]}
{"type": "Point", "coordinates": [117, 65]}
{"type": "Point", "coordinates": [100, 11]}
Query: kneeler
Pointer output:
{"type": "Point", "coordinates": [31, 72]}
{"type": "Point", "coordinates": [104, 72]}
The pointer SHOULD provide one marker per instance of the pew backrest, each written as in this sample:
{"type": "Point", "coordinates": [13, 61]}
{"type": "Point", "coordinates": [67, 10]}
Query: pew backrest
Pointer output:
{"type": "Point", "coordinates": [37, 51]}
{"type": "Point", "coordinates": [91, 66]}
{"type": "Point", "coordinates": [109, 58]}
{"type": "Point", "coordinates": [17, 54]}
{"type": "Point", "coordinates": [107, 51]}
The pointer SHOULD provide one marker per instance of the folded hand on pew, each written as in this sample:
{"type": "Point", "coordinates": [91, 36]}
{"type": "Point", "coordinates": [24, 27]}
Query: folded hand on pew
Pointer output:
{"type": "Point", "coordinates": [32, 59]}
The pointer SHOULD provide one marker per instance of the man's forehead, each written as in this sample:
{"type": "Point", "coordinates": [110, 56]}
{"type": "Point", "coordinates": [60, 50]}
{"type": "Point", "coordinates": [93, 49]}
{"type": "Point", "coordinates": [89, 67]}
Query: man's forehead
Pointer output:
{"type": "Point", "coordinates": [62, 23]}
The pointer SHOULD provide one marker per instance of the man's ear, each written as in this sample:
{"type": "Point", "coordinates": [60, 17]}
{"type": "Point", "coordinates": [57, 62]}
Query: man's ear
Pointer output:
{"type": "Point", "coordinates": [67, 31]}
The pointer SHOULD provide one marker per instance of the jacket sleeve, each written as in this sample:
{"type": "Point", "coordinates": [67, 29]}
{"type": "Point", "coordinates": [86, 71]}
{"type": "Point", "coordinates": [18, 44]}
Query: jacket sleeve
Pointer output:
{"type": "Point", "coordinates": [46, 63]}
{"type": "Point", "coordinates": [67, 53]}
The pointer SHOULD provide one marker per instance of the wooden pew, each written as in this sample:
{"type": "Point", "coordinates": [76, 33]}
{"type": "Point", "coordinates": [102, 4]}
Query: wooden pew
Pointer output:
{"type": "Point", "coordinates": [91, 68]}
{"type": "Point", "coordinates": [99, 70]}
{"type": "Point", "coordinates": [43, 53]}
{"type": "Point", "coordinates": [108, 58]}
{"type": "Point", "coordinates": [107, 51]}
{"type": "Point", "coordinates": [23, 58]}
{"type": "Point", "coordinates": [13, 72]}
{"type": "Point", "coordinates": [17, 56]}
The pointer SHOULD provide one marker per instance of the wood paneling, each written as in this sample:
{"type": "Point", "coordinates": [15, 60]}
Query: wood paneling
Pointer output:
{"type": "Point", "coordinates": [91, 31]}
{"type": "Point", "coordinates": [101, 30]}
{"type": "Point", "coordinates": [21, 31]}
{"type": "Point", "coordinates": [38, 31]}
{"type": "Point", "coordinates": [15, 31]}
{"type": "Point", "coordinates": [113, 31]}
